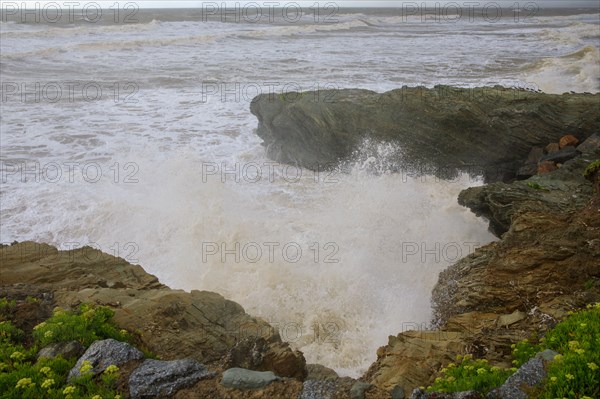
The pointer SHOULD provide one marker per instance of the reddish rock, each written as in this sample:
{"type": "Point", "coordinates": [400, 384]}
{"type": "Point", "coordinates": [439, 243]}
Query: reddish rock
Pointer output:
{"type": "Point", "coordinates": [551, 148]}
{"type": "Point", "coordinates": [568, 140]}
{"type": "Point", "coordinates": [545, 167]}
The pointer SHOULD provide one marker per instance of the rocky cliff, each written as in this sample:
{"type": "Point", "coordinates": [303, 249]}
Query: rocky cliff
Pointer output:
{"type": "Point", "coordinates": [483, 130]}
{"type": "Point", "coordinates": [546, 264]}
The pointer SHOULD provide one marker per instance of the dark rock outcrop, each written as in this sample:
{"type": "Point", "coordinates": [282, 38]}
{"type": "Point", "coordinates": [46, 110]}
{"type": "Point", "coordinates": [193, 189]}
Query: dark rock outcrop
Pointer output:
{"type": "Point", "coordinates": [483, 130]}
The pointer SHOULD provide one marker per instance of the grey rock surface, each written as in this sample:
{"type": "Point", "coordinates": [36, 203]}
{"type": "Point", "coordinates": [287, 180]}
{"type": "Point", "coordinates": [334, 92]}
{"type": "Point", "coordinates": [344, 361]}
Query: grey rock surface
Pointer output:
{"type": "Point", "coordinates": [240, 378]}
{"type": "Point", "coordinates": [159, 378]}
{"type": "Point", "coordinates": [66, 350]}
{"type": "Point", "coordinates": [313, 389]}
{"type": "Point", "coordinates": [102, 354]}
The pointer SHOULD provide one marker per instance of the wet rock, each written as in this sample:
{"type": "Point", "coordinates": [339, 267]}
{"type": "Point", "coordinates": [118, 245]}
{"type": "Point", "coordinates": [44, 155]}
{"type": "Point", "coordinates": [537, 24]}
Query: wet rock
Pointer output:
{"type": "Point", "coordinates": [437, 130]}
{"type": "Point", "coordinates": [591, 144]}
{"type": "Point", "coordinates": [546, 167]}
{"type": "Point", "coordinates": [239, 378]}
{"type": "Point", "coordinates": [528, 376]}
{"type": "Point", "coordinates": [321, 373]}
{"type": "Point", "coordinates": [160, 379]}
{"type": "Point", "coordinates": [568, 140]}
{"type": "Point", "coordinates": [535, 155]}
{"type": "Point", "coordinates": [359, 389]}
{"type": "Point", "coordinates": [255, 353]}
{"type": "Point", "coordinates": [397, 392]}
{"type": "Point", "coordinates": [561, 156]}
{"type": "Point", "coordinates": [527, 171]}
{"type": "Point", "coordinates": [66, 350]}
{"type": "Point", "coordinates": [312, 389]}
{"type": "Point", "coordinates": [552, 148]}
{"type": "Point", "coordinates": [102, 354]}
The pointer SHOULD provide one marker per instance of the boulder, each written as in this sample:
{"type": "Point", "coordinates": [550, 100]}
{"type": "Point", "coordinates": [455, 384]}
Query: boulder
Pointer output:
{"type": "Point", "coordinates": [321, 373]}
{"type": "Point", "coordinates": [590, 144]}
{"type": "Point", "coordinates": [439, 130]}
{"type": "Point", "coordinates": [255, 353]}
{"type": "Point", "coordinates": [239, 378]}
{"type": "Point", "coordinates": [66, 350]}
{"type": "Point", "coordinates": [567, 140]}
{"type": "Point", "coordinates": [561, 156]}
{"type": "Point", "coordinates": [397, 392]}
{"type": "Point", "coordinates": [160, 379]}
{"type": "Point", "coordinates": [359, 389]}
{"type": "Point", "coordinates": [530, 375]}
{"type": "Point", "coordinates": [104, 353]}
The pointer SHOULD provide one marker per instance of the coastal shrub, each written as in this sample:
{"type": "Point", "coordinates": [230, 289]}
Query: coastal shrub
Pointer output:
{"type": "Point", "coordinates": [22, 376]}
{"type": "Point", "coordinates": [469, 374]}
{"type": "Point", "coordinates": [574, 373]}
{"type": "Point", "coordinates": [87, 324]}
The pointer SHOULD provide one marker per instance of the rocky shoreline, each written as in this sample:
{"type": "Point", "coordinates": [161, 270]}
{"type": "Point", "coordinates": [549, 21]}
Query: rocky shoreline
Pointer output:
{"type": "Point", "coordinates": [544, 265]}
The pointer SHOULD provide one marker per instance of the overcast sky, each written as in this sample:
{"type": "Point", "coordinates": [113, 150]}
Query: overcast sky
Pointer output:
{"type": "Point", "coordinates": [307, 3]}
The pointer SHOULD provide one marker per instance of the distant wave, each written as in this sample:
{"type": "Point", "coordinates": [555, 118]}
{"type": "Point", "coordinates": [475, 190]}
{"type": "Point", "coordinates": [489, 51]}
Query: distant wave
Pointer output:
{"type": "Point", "coordinates": [578, 71]}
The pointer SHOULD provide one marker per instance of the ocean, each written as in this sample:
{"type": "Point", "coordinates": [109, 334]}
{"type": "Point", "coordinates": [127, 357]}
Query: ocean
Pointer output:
{"type": "Point", "coordinates": [129, 130]}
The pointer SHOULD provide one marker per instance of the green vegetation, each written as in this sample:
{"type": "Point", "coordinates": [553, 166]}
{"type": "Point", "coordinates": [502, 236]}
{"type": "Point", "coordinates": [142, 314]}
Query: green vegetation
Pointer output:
{"type": "Point", "coordinates": [593, 169]}
{"type": "Point", "coordinates": [536, 186]}
{"type": "Point", "coordinates": [22, 376]}
{"type": "Point", "coordinates": [86, 325]}
{"type": "Point", "coordinates": [574, 374]}
{"type": "Point", "coordinates": [469, 374]}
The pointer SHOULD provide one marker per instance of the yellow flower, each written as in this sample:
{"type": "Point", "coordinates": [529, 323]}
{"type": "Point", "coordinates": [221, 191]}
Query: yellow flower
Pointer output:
{"type": "Point", "coordinates": [47, 383]}
{"type": "Point", "coordinates": [24, 383]}
{"type": "Point", "coordinates": [42, 324]}
{"type": "Point", "coordinates": [586, 397]}
{"type": "Point", "coordinates": [438, 379]}
{"type": "Point", "coordinates": [513, 369]}
{"type": "Point", "coordinates": [444, 370]}
{"type": "Point", "coordinates": [112, 369]}
{"type": "Point", "coordinates": [459, 357]}
{"type": "Point", "coordinates": [569, 376]}
{"type": "Point", "coordinates": [57, 311]}
{"type": "Point", "coordinates": [117, 396]}
{"type": "Point", "coordinates": [96, 397]}
{"type": "Point", "coordinates": [468, 357]}
{"type": "Point", "coordinates": [593, 366]}
{"type": "Point", "coordinates": [451, 365]}
{"type": "Point", "coordinates": [86, 366]}
{"type": "Point", "coordinates": [583, 325]}
{"type": "Point", "coordinates": [495, 369]}
{"type": "Point", "coordinates": [515, 362]}
{"type": "Point", "coordinates": [573, 345]}
{"type": "Point", "coordinates": [580, 351]}
{"type": "Point", "coordinates": [481, 371]}
{"type": "Point", "coordinates": [553, 379]}
{"type": "Point", "coordinates": [484, 361]}
{"type": "Point", "coordinates": [69, 389]}
{"type": "Point", "coordinates": [46, 370]}
{"type": "Point", "coordinates": [48, 334]}
{"type": "Point", "coordinates": [123, 332]}
{"type": "Point", "coordinates": [513, 346]}
{"type": "Point", "coordinates": [558, 358]}
{"type": "Point", "coordinates": [17, 356]}
{"type": "Point", "coordinates": [451, 379]}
